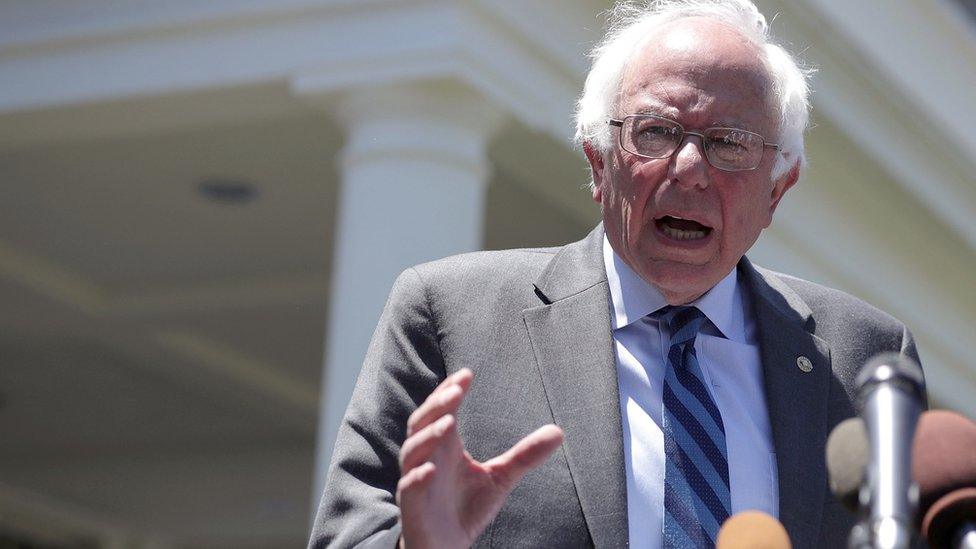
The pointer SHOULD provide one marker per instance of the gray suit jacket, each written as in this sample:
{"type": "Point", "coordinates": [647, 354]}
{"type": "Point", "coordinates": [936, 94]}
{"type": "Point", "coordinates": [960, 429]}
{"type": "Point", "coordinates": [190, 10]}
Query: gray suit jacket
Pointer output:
{"type": "Point", "coordinates": [534, 325]}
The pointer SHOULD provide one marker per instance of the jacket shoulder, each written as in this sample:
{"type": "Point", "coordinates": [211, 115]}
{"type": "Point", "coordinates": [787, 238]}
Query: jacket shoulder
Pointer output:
{"type": "Point", "coordinates": [490, 260]}
{"type": "Point", "coordinates": [486, 271]}
{"type": "Point", "coordinates": [847, 321]}
{"type": "Point", "coordinates": [824, 299]}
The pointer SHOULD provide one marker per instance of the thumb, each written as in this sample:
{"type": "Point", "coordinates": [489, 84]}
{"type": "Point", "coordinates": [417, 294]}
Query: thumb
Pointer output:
{"type": "Point", "coordinates": [527, 454]}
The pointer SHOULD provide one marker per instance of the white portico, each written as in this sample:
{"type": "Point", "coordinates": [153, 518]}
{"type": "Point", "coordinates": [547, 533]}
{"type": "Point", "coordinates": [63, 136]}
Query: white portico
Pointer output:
{"type": "Point", "coordinates": [203, 206]}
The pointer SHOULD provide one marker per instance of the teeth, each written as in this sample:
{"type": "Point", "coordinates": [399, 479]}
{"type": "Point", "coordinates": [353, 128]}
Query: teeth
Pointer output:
{"type": "Point", "coordinates": [678, 234]}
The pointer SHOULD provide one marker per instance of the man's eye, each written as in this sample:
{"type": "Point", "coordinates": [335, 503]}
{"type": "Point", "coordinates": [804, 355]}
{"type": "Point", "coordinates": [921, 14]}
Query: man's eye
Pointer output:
{"type": "Point", "coordinates": [731, 138]}
{"type": "Point", "coordinates": [655, 132]}
{"type": "Point", "coordinates": [728, 148]}
{"type": "Point", "coordinates": [727, 143]}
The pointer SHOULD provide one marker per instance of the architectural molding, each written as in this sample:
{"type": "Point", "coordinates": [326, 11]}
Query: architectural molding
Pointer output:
{"type": "Point", "coordinates": [929, 60]}
{"type": "Point", "coordinates": [66, 287]}
{"type": "Point", "coordinates": [104, 315]}
{"type": "Point", "coordinates": [256, 375]}
{"type": "Point", "coordinates": [217, 295]}
{"type": "Point", "coordinates": [855, 88]}
{"type": "Point", "coordinates": [49, 521]}
{"type": "Point", "coordinates": [167, 499]}
{"type": "Point", "coordinates": [49, 279]}
{"type": "Point", "coordinates": [312, 46]}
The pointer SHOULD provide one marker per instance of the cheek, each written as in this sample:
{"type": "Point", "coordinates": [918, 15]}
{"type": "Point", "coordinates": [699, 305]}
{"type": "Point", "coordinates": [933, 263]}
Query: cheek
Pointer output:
{"type": "Point", "coordinates": [746, 214]}
{"type": "Point", "coordinates": [642, 182]}
{"type": "Point", "coordinates": [632, 196]}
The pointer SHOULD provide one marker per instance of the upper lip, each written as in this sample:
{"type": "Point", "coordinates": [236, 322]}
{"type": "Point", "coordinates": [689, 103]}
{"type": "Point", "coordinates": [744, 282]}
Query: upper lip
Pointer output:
{"type": "Point", "coordinates": [684, 215]}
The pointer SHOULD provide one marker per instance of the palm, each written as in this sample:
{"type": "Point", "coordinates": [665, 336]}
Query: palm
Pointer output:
{"type": "Point", "coordinates": [446, 497]}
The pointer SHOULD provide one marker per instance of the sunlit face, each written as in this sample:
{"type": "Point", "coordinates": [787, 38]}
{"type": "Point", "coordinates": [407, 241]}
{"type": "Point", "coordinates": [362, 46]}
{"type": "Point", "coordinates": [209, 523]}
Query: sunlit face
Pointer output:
{"type": "Point", "coordinates": [679, 223]}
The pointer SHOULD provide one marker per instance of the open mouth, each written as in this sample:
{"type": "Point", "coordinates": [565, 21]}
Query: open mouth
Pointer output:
{"type": "Point", "coordinates": [682, 229]}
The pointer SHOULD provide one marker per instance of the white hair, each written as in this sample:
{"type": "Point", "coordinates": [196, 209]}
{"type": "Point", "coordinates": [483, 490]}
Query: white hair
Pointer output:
{"type": "Point", "coordinates": [631, 25]}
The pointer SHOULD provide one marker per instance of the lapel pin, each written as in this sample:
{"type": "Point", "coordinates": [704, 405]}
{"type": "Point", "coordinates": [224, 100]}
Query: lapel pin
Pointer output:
{"type": "Point", "coordinates": [804, 364]}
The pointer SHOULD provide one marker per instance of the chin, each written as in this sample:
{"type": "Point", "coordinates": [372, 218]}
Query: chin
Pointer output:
{"type": "Point", "coordinates": [679, 280]}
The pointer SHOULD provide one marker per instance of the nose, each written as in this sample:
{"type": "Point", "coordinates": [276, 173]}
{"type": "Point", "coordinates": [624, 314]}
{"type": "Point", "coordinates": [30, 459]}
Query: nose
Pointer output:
{"type": "Point", "coordinates": [688, 164]}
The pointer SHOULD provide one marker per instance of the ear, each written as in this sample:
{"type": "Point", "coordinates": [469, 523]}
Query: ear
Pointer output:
{"type": "Point", "coordinates": [596, 169]}
{"type": "Point", "coordinates": [783, 184]}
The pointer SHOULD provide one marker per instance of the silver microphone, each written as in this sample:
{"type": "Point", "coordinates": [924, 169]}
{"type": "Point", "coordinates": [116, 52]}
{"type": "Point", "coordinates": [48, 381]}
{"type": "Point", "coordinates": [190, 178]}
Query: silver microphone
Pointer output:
{"type": "Point", "coordinates": [891, 394]}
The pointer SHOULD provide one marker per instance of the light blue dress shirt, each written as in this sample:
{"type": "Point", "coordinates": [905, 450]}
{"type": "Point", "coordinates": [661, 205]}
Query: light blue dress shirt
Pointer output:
{"type": "Point", "coordinates": [728, 353]}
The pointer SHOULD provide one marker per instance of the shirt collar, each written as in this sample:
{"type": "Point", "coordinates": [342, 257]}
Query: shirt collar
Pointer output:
{"type": "Point", "coordinates": [633, 298]}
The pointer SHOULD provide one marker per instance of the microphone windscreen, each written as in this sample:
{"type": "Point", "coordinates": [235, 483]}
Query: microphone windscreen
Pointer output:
{"type": "Point", "coordinates": [944, 466]}
{"type": "Point", "coordinates": [848, 454]}
{"type": "Point", "coordinates": [752, 530]}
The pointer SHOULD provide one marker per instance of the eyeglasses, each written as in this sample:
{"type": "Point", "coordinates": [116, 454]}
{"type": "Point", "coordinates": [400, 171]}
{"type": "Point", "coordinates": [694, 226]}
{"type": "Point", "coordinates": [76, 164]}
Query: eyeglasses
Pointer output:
{"type": "Point", "coordinates": [727, 149]}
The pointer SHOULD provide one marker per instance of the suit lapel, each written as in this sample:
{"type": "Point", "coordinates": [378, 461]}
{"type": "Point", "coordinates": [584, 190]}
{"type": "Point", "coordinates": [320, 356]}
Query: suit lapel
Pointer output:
{"type": "Point", "coordinates": [796, 400]}
{"type": "Point", "coordinates": [573, 345]}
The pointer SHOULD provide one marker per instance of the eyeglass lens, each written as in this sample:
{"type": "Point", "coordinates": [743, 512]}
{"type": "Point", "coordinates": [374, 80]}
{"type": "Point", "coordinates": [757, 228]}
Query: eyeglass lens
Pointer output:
{"type": "Point", "coordinates": [725, 148]}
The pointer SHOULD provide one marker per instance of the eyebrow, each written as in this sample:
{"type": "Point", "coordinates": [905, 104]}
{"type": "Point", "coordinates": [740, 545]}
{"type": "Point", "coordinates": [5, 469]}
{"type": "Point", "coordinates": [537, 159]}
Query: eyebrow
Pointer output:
{"type": "Point", "coordinates": [656, 108]}
{"type": "Point", "coordinates": [716, 122]}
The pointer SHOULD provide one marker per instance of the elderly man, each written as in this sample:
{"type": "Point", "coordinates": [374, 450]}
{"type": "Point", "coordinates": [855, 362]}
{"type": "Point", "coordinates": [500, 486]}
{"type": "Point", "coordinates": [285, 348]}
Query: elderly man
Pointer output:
{"type": "Point", "coordinates": [686, 383]}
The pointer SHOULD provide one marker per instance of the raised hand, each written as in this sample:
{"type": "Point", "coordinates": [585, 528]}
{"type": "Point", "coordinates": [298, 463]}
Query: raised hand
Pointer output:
{"type": "Point", "coordinates": [447, 498]}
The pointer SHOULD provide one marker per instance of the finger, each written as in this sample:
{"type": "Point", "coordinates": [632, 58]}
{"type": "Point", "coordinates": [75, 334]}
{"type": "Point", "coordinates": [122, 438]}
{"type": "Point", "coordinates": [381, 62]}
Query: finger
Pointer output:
{"type": "Point", "coordinates": [411, 497]}
{"type": "Point", "coordinates": [460, 377]}
{"type": "Point", "coordinates": [435, 407]}
{"type": "Point", "coordinates": [527, 454]}
{"type": "Point", "coordinates": [412, 485]}
{"type": "Point", "coordinates": [445, 399]}
{"type": "Point", "coordinates": [419, 447]}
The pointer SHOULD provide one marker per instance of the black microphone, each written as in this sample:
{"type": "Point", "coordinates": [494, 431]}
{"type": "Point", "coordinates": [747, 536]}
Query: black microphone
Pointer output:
{"type": "Point", "coordinates": [891, 394]}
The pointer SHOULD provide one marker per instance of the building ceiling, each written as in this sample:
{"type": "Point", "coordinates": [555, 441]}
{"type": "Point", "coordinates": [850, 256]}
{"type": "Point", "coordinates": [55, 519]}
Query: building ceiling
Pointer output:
{"type": "Point", "coordinates": [162, 350]}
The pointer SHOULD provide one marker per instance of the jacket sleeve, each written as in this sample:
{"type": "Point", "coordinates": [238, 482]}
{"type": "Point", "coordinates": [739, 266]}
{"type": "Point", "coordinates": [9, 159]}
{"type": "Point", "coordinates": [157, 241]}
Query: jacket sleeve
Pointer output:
{"type": "Point", "coordinates": [402, 367]}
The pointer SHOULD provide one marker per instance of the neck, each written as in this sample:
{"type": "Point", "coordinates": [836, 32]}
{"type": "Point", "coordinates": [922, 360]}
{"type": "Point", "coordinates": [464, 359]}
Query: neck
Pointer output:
{"type": "Point", "coordinates": [679, 298]}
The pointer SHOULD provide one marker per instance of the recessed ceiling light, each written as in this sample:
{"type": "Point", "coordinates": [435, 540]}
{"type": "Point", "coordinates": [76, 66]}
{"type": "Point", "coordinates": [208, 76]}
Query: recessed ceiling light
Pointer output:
{"type": "Point", "coordinates": [226, 190]}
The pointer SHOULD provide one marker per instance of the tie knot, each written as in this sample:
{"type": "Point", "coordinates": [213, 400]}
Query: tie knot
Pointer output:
{"type": "Point", "coordinates": [683, 321]}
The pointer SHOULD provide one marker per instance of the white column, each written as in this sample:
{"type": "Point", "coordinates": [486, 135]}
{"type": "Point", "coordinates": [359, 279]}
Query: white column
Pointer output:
{"type": "Point", "coordinates": [413, 177]}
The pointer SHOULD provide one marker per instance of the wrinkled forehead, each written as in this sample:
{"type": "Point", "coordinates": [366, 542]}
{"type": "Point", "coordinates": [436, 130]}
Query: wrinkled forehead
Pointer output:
{"type": "Point", "coordinates": [699, 67]}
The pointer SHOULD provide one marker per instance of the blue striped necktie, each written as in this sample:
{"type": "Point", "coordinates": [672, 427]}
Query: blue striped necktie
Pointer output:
{"type": "Point", "coordinates": [697, 499]}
